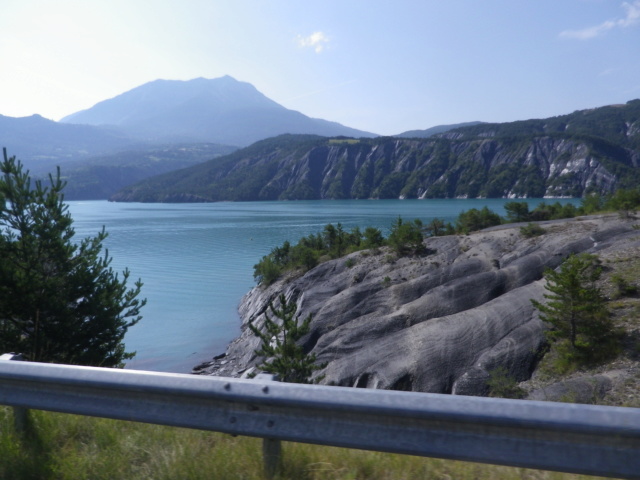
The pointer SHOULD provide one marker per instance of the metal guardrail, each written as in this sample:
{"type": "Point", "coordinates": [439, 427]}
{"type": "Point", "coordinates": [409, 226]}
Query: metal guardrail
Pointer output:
{"type": "Point", "coordinates": [587, 439]}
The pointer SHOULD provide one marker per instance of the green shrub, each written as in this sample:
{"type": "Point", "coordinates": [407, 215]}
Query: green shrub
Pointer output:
{"type": "Point", "coordinates": [474, 219]}
{"type": "Point", "coordinates": [266, 271]}
{"type": "Point", "coordinates": [623, 287]}
{"type": "Point", "coordinates": [532, 230]}
{"type": "Point", "coordinates": [502, 385]}
{"type": "Point", "coordinates": [406, 238]}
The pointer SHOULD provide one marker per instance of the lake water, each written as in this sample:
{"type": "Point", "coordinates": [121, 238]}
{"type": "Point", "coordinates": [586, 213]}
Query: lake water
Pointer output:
{"type": "Point", "coordinates": [196, 260]}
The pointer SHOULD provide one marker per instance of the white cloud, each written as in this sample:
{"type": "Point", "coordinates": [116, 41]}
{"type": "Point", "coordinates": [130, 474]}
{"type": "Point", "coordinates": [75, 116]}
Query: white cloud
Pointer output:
{"type": "Point", "coordinates": [317, 41]}
{"type": "Point", "coordinates": [631, 18]}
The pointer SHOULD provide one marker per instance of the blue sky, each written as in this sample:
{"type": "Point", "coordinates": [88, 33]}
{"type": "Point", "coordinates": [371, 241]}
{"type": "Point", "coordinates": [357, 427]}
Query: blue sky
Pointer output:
{"type": "Point", "coordinates": [384, 67]}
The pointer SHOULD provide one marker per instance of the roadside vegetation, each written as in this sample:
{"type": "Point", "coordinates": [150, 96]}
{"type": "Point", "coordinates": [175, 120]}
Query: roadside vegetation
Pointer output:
{"type": "Point", "coordinates": [60, 300]}
{"type": "Point", "coordinates": [69, 447]}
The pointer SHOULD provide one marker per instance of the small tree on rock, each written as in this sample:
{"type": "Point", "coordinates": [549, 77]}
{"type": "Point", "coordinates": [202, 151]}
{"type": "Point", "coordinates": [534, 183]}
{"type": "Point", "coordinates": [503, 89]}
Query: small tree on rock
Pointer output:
{"type": "Point", "coordinates": [406, 237]}
{"type": "Point", "coordinates": [279, 344]}
{"type": "Point", "coordinates": [576, 309]}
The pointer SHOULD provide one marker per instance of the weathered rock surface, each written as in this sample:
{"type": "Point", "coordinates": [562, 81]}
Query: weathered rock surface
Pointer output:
{"type": "Point", "coordinates": [437, 323]}
{"type": "Point", "coordinates": [584, 389]}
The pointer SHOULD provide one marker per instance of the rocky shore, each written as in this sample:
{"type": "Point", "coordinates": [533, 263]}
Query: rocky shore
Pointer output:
{"type": "Point", "coordinates": [440, 322]}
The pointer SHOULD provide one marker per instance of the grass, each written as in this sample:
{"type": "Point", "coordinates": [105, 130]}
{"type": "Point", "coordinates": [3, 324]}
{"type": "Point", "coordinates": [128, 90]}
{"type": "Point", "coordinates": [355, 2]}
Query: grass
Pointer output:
{"type": "Point", "coordinates": [65, 447]}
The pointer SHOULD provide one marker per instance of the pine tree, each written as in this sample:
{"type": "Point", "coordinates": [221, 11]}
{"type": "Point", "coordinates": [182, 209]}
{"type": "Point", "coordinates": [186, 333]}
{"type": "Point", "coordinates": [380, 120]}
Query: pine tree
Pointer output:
{"type": "Point", "coordinates": [406, 237]}
{"type": "Point", "coordinates": [576, 308]}
{"type": "Point", "coordinates": [60, 301]}
{"type": "Point", "coordinates": [279, 344]}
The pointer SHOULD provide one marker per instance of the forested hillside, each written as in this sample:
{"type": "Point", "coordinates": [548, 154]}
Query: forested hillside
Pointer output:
{"type": "Point", "coordinates": [587, 151]}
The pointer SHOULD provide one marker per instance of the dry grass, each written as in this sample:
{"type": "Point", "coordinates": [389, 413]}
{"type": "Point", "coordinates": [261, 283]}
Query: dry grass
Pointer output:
{"type": "Point", "coordinates": [66, 447]}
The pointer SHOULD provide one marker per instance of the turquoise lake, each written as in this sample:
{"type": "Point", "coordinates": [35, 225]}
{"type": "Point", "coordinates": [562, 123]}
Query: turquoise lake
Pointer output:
{"type": "Point", "coordinates": [196, 260]}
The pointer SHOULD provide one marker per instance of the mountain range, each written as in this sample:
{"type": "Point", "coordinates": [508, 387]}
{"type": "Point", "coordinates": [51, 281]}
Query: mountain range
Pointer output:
{"type": "Point", "coordinates": [157, 127]}
{"type": "Point", "coordinates": [169, 128]}
{"type": "Point", "coordinates": [596, 150]}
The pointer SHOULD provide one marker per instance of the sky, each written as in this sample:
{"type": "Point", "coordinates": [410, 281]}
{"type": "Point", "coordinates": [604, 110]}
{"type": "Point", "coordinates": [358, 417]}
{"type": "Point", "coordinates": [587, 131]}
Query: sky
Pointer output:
{"type": "Point", "coordinates": [379, 66]}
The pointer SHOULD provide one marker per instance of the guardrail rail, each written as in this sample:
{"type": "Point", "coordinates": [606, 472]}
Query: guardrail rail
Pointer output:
{"type": "Point", "coordinates": [588, 439]}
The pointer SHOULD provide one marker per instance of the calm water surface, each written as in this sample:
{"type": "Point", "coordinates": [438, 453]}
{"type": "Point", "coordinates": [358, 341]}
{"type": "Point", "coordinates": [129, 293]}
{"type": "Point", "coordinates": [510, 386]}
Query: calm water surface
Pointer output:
{"type": "Point", "coordinates": [196, 260]}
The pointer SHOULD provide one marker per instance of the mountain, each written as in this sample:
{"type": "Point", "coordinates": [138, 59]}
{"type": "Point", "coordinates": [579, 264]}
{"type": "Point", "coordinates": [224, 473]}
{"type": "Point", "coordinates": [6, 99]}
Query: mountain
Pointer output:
{"type": "Point", "coordinates": [221, 110]}
{"type": "Point", "coordinates": [588, 151]}
{"type": "Point", "coordinates": [39, 142]}
{"type": "Point", "coordinates": [99, 177]}
{"type": "Point", "coordinates": [430, 132]}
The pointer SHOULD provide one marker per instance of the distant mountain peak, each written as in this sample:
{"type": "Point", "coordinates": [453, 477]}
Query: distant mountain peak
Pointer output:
{"type": "Point", "coordinates": [219, 110]}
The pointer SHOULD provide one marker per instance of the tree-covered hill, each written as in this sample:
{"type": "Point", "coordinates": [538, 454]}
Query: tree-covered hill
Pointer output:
{"type": "Point", "coordinates": [616, 124]}
{"type": "Point", "coordinates": [99, 177]}
{"type": "Point", "coordinates": [591, 151]}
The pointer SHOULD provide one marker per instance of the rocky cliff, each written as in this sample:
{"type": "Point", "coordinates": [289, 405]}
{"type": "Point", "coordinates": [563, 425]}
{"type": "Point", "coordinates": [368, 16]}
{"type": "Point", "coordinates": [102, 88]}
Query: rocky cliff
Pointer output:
{"type": "Point", "coordinates": [435, 323]}
{"type": "Point", "coordinates": [590, 151]}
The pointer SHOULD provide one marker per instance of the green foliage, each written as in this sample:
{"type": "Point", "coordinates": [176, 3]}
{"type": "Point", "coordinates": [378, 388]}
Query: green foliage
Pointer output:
{"type": "Point", "coordinates": [437, 227]}
{"type": "Point", "coordinates": [332, 242]}
{"type": "Point", "coordinates": [532, 230]}
{"type": "Point", "coordinates": [373, 238]}
{"type": "Point", "coordinates": [576, 311]}
{"type": "Point", "coordinates": [406, 238]}
{"type": "Point", "coordinates": [553, 211]}
{"type": "Point", "coordinates": [502, 385]}
{"type": "Point", "coordinates": [279, 344]}
{"type": "Point", "coordinates": [517, 211]}
{"type": "Point", "coordinates": [591, 203]}
{"type": "Point", "coordinates": [624, 201]}
{"type": "Point", "coordinates": [60, 301]}
{"type": "Point", "coordinates": [475, 219]}
{"type": "Point", "coordinates": [266, 271]}
{"type": "Point", "coordinates": [623, 287]}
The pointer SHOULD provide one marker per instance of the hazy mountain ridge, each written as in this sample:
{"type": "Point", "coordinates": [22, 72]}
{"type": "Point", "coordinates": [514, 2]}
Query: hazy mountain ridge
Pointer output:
{"type": "Point", "coordinates": [154, 128]}
{"type": "Point", "coordinates": [40, 142]}
{"type": "Point", "coordinates": [595, 151]}
{"type": "Point", "coordinates": [97, 178]}
{"type": "Point", "coordinates": [430, 132]}
{"type": "Point", "coordinates": [221, 110]}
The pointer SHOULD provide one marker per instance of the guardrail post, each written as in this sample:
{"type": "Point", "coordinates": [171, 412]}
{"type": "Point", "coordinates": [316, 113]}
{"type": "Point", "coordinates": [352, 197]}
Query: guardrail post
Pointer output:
{"type": "Point", "coordinates": [271, 447]}
{"type": "Point", "coordinates": [271, 456]}
{"type": "Point", "coordinates": [20, 414]}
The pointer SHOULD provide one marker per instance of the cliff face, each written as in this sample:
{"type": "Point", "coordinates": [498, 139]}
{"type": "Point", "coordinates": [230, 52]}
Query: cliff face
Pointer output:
{"type": "Point", "coordinates": [302, 169]}
{"type": "Point", "coordinates": [543, 166]}
{"type": "Point", "coordinates": [437, 323]}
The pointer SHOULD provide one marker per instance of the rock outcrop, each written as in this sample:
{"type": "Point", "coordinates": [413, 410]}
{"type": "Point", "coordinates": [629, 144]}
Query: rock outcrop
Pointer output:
{"type": "Point", "coordinates": [436, 323]}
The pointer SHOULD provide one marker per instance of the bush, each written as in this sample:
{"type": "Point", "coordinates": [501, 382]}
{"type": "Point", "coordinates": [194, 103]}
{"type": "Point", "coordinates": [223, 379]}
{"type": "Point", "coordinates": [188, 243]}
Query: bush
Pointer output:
{"type": "Point", "coordinates": [517, 211]}
{"type": "Point", "coordinates": [406, 238]}
{"type": "Point", "coordinates": [502, 385]}
{"type": "Point", "coordinates": [623, 287]}
{"type": "Point", "coordinates": [474, 219]}
{"type": "Point", "coordinates": [532, 230]}
{"type": "Point", "coordinates": [266, 271]}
